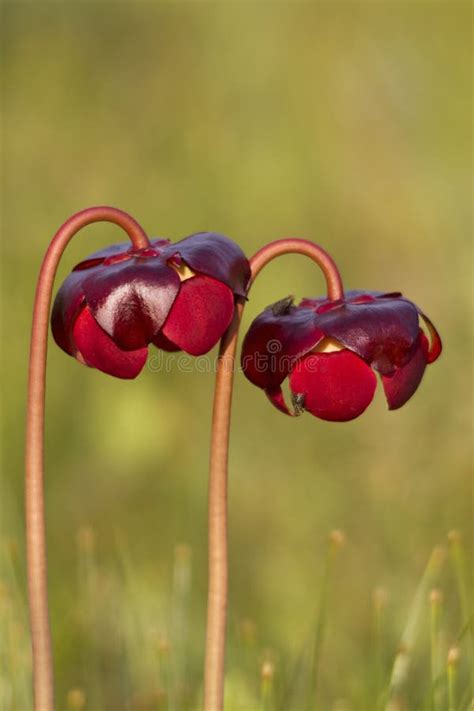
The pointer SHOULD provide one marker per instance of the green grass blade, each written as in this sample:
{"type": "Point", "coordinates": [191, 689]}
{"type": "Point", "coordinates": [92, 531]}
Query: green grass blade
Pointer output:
{"type": "Point", "coordinates": [403, 657]}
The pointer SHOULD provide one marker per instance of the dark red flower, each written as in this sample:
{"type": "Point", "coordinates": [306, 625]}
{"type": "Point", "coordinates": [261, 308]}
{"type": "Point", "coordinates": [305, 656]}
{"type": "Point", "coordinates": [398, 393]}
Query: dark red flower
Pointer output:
{"type": "Point", "coordinates": [178, 296]}
{"type": "Point", "coordinates": [329, 350]}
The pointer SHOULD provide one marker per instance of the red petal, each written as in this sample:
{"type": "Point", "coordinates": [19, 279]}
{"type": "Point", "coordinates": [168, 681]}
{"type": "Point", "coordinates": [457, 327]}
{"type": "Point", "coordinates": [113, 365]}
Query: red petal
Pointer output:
{"type": "Point", "coordinates": [435, 348]}
{"type": "Point", "coordinates": [322, 303]}
{"type": "Point", "coordinates": [131, 300]}
{"type": "Point", "coordinates": [382, 331]}
{"type": "Point", "coordinates": [216, 256]}
{"type": "Point", "coordinates": [361, 295]}
{"type": "Point", "coordinates": [336, 386]}
{"type": "Point", "coordinates": [67, 304]}
{"type": "Point", "coordinates": [200, 314]}
{"type": "Point", "coordinates": [273, 342]}
{"type": "Point", "coordinates": [98, 257]}
{"type": "Point", "coordinates": [160, 341]}
{"type": "Point", "coordinates": [275, 395]}
{"type": "Point", "coordinates": [99, 351]}
{"type": "Point", "coordinates": [400, 385]}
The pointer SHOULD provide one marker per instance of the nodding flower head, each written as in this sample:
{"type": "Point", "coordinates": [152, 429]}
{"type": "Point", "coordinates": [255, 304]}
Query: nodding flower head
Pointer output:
{"type": "Point", "coordinates": [177, 296]}
{"type": "Point", "coordinates": [329, 350]}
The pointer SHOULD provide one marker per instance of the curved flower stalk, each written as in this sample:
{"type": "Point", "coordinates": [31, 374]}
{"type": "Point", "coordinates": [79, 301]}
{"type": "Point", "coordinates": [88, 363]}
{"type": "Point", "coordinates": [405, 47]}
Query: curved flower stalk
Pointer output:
{"type": "Point", "coordinates": [328, 347]}
{"type": "Point", "coordinates": [34, 486]}
{"type": "Point", "coordinates": [217, 505]}
{"type": "Point", "coordinates": [113, 304]}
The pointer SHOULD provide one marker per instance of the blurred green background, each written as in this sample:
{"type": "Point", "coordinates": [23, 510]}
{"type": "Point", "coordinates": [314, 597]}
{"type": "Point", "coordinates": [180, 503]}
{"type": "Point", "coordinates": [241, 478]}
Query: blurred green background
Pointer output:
{"type": "Point", "coordinates": [344, 122]}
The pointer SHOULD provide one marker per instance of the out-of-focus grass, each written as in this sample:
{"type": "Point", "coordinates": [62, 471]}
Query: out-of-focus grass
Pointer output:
{"type": "Point", "coordinates": [133, 644]}
{"type": "Point", "coordinates": [345, 122]}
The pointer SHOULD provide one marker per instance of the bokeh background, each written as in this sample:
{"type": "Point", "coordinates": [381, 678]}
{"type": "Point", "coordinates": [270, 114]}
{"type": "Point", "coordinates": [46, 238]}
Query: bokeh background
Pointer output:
{"type": "Point", "coordinates": [344, 122]}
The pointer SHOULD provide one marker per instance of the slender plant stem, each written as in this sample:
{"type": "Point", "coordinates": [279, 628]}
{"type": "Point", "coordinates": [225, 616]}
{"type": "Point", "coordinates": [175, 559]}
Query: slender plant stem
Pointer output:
{"type": "Point", "coordinates": [217, 511]}
{"type": "Point", "coordinates": [336, 540]}
{"type": "Point", "coordinates": [34, 480]}
{"type": "Point", "coordinates": [453, 660]}
{"type": "Point", "coordinates": [291, 245]}
{"type": "Point", "coordinates": [435, 615]}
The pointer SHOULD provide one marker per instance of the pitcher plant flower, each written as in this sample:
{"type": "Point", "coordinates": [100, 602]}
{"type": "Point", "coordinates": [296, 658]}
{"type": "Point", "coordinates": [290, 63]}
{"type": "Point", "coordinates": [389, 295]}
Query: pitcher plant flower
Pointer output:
{"type": "Point", "coordinates": [112, 305]}
{"type": "Point", "coordinates": [331, 350]}
{"type": "Point", "coordinates": [361, 332]}
{"type": "Point", "coordinates": [176, 296]}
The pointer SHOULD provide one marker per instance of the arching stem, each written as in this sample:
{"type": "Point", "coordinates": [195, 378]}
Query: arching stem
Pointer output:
{"type": "Point", "coordinates": [217, 511]}
{"type": "Point", "coordinates": [43, 683]}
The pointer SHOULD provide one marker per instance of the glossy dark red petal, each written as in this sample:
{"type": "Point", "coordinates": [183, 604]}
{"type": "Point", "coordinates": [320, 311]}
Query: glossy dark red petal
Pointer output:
{"type": "Point", "coordinates": [160, 341]}
{"type": "Point", "coordinates": [275, 395]}
{"type": "Point", "coordinates": [274, 341]}
{"type": "Point", "coordinates": [400, 385]}
{"type": "Point", "coordinates": [322, 303]}
{"type": "Point", "coordinates": [336, 386]}
{"type": "Point", "coordinates": [435, 347]}
{"type": "Point", "coordinates": [68, 303]}
{"type": "Point", "coordinates": [361, 295]}
{"type": "Point", "coordinates": [382, 332]}
{"type": "Point", "coordinates": [99, 351]}
{"type": "Point", "coordinates": [131, 300]}
{"type": "Point", "coordinates": [314, 302]}
{"type": "Point", "coordinates": [160, 243]}
{"type": "Point", "coordinates": [200, 315]}
{"type": "Point", "coordinates": [98, 257]}
{"type": "Point", "coordinates": [214, 255]}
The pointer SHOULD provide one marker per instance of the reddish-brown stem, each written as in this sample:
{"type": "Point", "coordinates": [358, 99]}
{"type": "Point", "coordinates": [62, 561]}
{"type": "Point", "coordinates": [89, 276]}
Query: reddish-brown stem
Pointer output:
{"type": "Point", "coordinates": [217, 523]}
{"type": "Point", "coordinates": [34, 480]}
{"type": "Point", "coordinates": [292, 245]}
